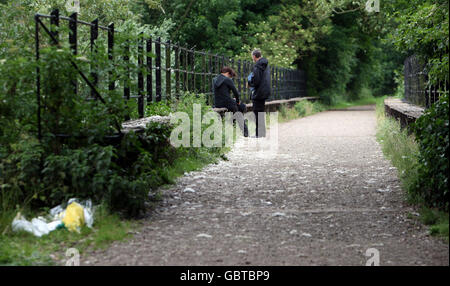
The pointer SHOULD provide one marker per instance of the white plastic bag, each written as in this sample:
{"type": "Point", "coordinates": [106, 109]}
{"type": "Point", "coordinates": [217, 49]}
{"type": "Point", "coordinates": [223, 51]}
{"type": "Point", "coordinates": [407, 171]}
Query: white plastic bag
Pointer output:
{"type": "Point", "coordinates": [37, 226]}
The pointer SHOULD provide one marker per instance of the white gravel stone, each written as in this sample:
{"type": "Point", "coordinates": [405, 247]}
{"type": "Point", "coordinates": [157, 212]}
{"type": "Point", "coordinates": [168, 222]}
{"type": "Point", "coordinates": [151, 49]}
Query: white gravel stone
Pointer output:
{"type": "Point", "coordinates": [278, 214]}
{"type": "Point", "coordinates": [205, 235]}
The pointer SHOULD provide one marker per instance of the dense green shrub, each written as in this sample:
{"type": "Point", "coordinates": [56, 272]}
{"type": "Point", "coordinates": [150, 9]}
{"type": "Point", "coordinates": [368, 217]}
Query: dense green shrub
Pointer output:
{"type": "Point", "coordinates": [85, 164]}
{"type": "Point", "coordinates": [123, 175]}
{"type": "Point", "coordinates": [432, 133]}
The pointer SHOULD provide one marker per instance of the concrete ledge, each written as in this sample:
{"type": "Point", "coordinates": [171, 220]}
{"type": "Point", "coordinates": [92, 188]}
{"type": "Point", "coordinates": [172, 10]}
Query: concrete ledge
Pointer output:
{"type": "Point", "coordinates": [274, 104]}
{"type": "Point", "coordinates": [405, 112]}
{"type": "Point", "coordinates": [138, 125]}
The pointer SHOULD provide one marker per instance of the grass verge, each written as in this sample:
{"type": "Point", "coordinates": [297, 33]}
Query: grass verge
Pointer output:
{"type": "Point", "coordinates": [401, 149]}
{"type": "Point", "coordinates": [24, 249]}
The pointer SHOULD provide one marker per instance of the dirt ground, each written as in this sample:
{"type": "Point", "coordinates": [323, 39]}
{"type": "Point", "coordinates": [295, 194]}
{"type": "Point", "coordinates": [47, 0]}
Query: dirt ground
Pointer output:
{"type": "Point", "coordinates": [323, 198]}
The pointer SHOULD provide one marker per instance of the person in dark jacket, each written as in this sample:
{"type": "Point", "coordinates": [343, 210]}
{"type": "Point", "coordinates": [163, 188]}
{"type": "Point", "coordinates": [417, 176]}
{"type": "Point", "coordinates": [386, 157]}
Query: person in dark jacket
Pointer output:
{"type": "Point", "coordinates": [222, 84]}
{"type": "Point", "coordinates": [261, 84]}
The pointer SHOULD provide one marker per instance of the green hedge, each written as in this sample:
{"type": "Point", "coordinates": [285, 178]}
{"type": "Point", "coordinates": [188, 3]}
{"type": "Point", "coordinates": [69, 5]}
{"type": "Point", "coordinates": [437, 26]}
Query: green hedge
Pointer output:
{"type": "Point", "coordinates": [432, 134]}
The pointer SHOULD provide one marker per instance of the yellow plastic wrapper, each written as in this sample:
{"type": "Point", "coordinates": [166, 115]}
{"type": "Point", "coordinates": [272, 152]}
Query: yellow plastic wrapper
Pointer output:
{"type": "Point", "coordinates": [74, 217]}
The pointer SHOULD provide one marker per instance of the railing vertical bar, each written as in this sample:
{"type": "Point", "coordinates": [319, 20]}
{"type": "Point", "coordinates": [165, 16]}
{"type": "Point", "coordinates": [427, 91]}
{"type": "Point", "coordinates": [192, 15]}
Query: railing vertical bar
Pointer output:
{"type": "Point", "coordinates": [203, 75]}
{"type": "Point", "coordinates": [54, 22]}
{"type": "Point", "coordinates": [158, 69]}
{"type": "Point", "coordinates": [38, 76]}
{"type": "Point", "coordinates": [245, 88]}
{"type": "Point", "coordinates": [240, 76]}
{"type": "Point", "coordinates": [193, 71]}
{"type": "Point", "coordinates": [249, 70]}
{"type": "Point", "coordinates": [277, 92]}
{"type": "Point", "coordinates": [73, 44]}
{"type": "Point", "coordinates": [273, 94]}
{"type": "Point", "coordinates": [177, 71]}
{"type": "Point", "coordinates": [210, 76]}
{"type": "Point", "coordinates": [94, 36]}
{"type": "Point", "coordinates": [217, 64]}
{"type": "Point", "coordinates": [149, 71]}
{"type": "Point", "coordinates": [112, 83]}
{"type": "Point", "coordinates": [126, 81]}
{"type": "Point", "coordinates": [280, 83]}
{"type": "Point", "coordinates": [168, 72]}
{"type": "Point", "coordinates": [141, 75]}
{"type": "Point", "coordinates": [185, 70]}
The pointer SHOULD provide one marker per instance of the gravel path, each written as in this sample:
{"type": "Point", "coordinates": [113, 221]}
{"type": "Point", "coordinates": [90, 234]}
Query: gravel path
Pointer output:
{"type": "Point", "coordinates": [324, 199]}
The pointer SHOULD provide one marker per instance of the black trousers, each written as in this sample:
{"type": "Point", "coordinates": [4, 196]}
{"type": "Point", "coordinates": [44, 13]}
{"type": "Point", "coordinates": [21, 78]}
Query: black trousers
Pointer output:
{"type": "Point", "coordinates": [234, 107]}
{"type": "Point", "coordinates": [259, 106]}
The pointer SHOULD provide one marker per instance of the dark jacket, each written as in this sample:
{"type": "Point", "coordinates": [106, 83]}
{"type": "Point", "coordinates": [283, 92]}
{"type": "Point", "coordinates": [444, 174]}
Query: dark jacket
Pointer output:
{"type": "Point", "coordinates": [222, 86]}
{"type": "Point", "coordinates": [261, 80]}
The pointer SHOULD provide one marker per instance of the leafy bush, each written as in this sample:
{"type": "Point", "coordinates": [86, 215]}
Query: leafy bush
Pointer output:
{"type": "Point", "coordinates": [123, 175]}
{"type": "Point", "coordinates": [84, 164]}
{"type": "Point", "coordinates": [432, 132]}
{"type": "Point", "coordinates": [160, 108]}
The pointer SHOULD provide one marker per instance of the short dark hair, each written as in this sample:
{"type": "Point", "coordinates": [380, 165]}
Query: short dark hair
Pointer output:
{"type": "Point", "coordinates": [228, 70]}
{"type": "Point", "coordinates": [256, 53]}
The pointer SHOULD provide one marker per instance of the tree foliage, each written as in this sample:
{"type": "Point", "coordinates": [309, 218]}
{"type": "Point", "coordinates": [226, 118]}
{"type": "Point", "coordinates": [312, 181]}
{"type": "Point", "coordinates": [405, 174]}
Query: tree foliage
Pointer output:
{"type": "Point", "coordinates": [421, 28]}
{"type": "Point", "coordinates": [346, 51]}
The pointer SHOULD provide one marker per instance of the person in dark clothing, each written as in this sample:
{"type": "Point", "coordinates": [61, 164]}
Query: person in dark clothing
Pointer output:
{"type": "Point", "coordinates": [261, 84]}
{"type": "Point", "coordinates": [222, 85]}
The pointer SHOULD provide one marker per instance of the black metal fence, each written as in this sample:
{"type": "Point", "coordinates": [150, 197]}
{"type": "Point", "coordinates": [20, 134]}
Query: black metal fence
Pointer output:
{"type": "Point", "coordinates": [417, 90]}
{"type": "Point", "coordinates": [164, 69]}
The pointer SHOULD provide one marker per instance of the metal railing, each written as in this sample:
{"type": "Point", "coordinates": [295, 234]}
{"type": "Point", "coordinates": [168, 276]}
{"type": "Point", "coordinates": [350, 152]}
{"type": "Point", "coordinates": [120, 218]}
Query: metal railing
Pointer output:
{"type": "Point", "coordinates": [164, 69]}
{"type": "Point", "coordinates": [417, 89]}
